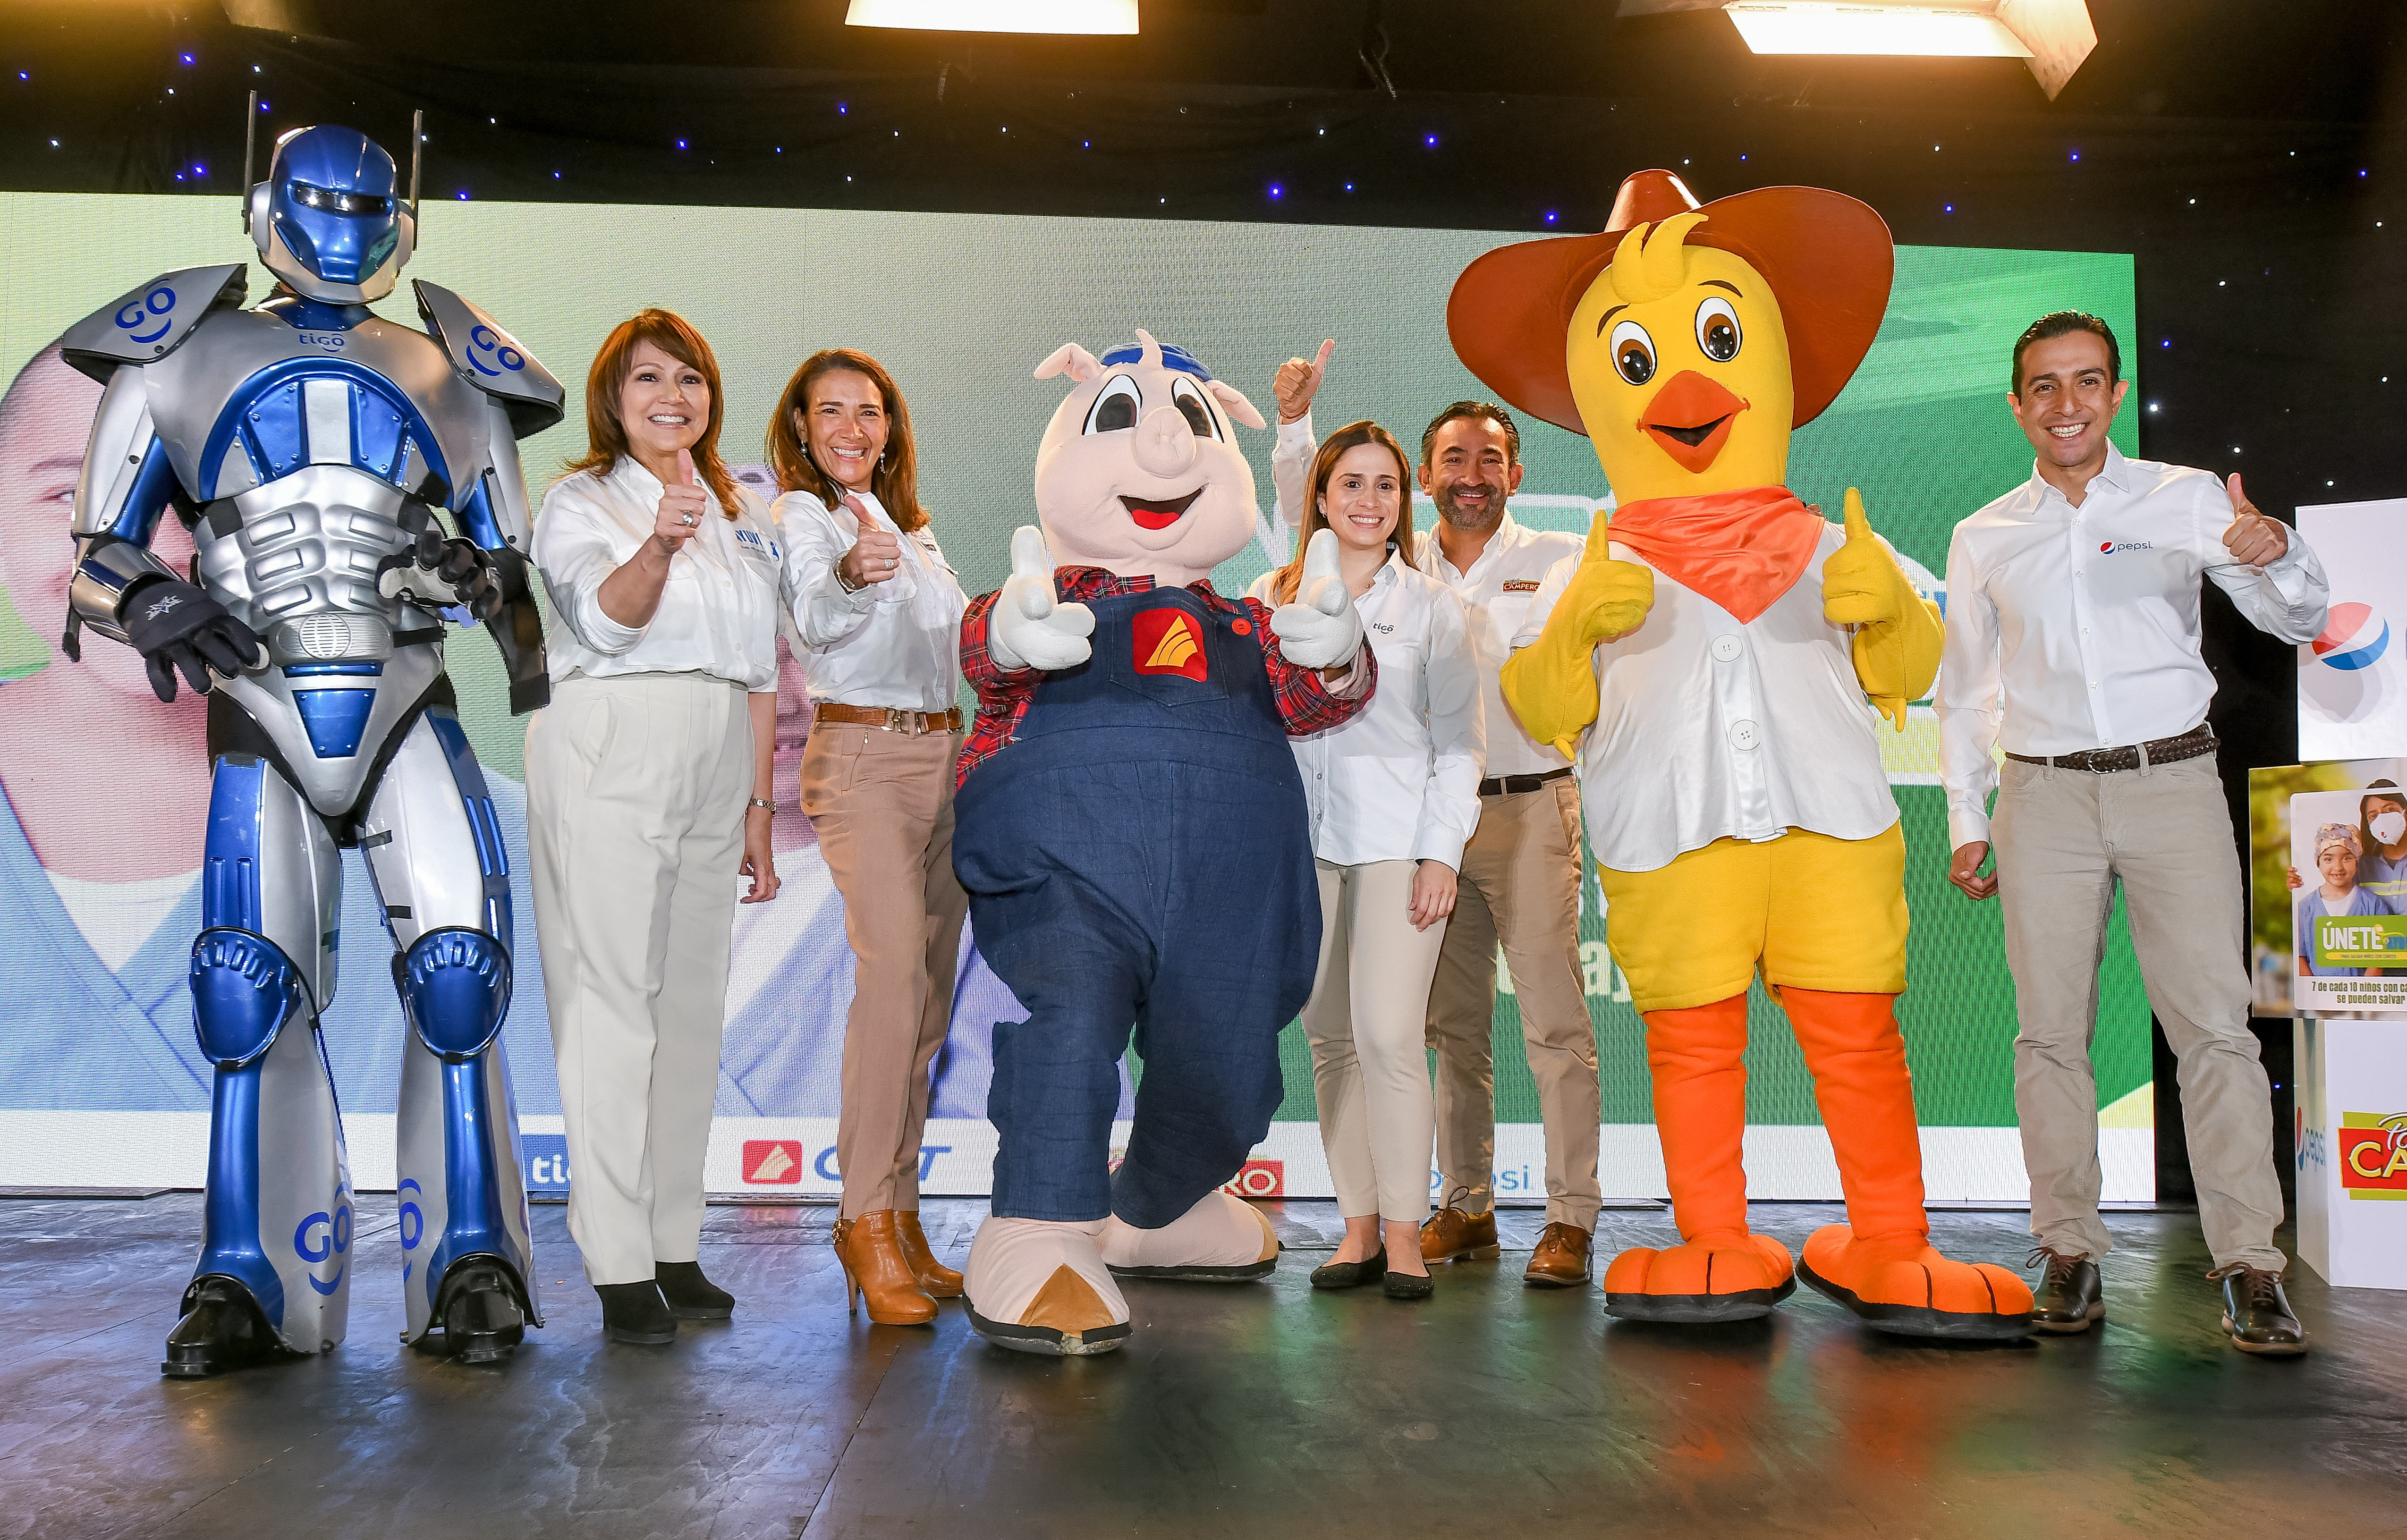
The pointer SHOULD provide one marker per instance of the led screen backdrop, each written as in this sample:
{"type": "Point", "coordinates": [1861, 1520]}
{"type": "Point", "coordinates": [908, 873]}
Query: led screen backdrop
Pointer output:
{"type": "Point", "coordinates": [100, 1083]}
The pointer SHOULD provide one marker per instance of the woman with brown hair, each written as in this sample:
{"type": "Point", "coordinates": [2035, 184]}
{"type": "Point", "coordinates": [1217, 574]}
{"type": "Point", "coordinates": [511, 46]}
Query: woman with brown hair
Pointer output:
{"type": "Point", "coordinates": [1393, 795]}
{"type": "Point", "coordinates": [877, 612]}
{"type": "Point", "coordinates": [664, 575]}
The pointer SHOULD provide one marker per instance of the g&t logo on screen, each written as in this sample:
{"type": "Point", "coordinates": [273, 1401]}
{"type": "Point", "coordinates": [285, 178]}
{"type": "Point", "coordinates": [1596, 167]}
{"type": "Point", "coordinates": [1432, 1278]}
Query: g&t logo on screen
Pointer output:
{"type": "Point", "coordinates": [1259, 1179]}
{"type": "Point", "coordinates": [2360, 941]}
{"type": "Point", "coordinates": [773, 1162]}
{"type": "Point", "coordinates": [2356, 637]}
{"type": "Point", "coordinates": [2373, 1154]}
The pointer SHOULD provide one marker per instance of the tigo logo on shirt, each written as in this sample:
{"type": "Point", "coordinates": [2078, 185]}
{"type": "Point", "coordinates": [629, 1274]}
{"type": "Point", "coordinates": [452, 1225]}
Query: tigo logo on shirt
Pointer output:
{"type": "Point", "coordinates": [1166, 642]}
{"type": "Point", "coordinates": [773, 1162]}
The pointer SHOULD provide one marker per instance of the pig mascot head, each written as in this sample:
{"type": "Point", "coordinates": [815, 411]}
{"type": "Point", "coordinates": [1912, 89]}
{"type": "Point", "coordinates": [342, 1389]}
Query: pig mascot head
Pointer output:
{"type": "Point", "coordinates": [1140, 473]}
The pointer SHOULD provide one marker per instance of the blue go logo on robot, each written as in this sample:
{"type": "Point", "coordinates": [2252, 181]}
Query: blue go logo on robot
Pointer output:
{"type": "Point", "coordinates": [484, 344]}
{"type": "Point", "coordinates": [322, 1236]}
{"type": "Point", "coordinates": [152, 307]}
{"type": "Point", "coordinates": [546, 1159]}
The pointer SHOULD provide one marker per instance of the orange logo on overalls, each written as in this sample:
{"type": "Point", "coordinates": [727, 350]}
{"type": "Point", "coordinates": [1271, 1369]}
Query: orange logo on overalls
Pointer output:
{"type": "Point", "coordinates": [1165, 641]}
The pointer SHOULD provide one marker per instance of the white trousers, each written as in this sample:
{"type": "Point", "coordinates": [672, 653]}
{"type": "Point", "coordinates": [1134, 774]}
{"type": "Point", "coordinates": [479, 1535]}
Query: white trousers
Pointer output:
{"type": "Point", "coordinates": [635, 793]}
{"type": "Point", "coordinates": [1366, 1022]}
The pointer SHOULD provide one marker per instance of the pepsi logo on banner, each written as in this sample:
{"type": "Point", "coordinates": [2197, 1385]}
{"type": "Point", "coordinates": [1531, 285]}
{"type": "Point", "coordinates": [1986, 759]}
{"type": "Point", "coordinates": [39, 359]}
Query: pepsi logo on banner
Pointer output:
{"type": "Point", "coordinates": [2356, 638]}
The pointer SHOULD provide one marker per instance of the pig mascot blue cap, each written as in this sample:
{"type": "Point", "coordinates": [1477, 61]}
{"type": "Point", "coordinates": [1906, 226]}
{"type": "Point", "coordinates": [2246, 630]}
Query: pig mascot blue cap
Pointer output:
{"type": "Point", "coordinates": [1132, 833]}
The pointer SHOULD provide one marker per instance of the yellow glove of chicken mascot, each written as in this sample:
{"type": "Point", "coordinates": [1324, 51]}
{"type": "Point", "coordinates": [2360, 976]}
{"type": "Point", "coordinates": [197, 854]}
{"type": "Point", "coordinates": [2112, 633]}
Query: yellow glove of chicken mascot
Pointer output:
{"type": "Point", "coordinates": [1714, 662]}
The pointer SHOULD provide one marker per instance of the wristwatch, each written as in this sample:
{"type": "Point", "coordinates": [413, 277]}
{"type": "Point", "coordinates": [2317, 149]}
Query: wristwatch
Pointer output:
{"type": "Point", "coordinates": [760, 802]}
{"type": "Point", "coordinates": [842, 581]}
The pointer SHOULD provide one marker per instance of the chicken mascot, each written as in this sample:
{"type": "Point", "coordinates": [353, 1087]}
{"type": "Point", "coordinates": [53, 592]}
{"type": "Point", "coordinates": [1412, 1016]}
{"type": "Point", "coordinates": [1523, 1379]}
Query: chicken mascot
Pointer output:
{"type": "Point", "coordinates": [1131, 831]}
{"type": "Point", "coordinates": [1717, 646]}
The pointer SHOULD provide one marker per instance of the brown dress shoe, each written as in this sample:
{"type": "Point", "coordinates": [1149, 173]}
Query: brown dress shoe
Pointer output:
{"type": "Point", "coordinates": [870, 1250]}
{"type": "Point", "coordinates": [1451, 1234]}
{"type": "Point", "coordinates": [938, 1280]}
{"type": "Point", "coordinates": [1560, 1260]}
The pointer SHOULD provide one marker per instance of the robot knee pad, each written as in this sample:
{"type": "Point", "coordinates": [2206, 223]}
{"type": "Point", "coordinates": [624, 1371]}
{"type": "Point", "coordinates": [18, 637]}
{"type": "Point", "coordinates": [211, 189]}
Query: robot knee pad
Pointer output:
{"type": "Point", "coordinates": [455, 984]}
{"type": "Point", "coordinates": [244, 990]}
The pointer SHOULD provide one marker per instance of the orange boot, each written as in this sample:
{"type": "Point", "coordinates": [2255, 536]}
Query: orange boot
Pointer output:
{"type": "Point", "coordinates": [1719, 1272]}
{"type": "Point", "coordinates": [1881, 1264]}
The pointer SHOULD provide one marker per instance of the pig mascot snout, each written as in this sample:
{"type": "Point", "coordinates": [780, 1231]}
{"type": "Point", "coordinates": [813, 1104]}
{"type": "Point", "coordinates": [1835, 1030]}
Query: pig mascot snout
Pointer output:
{"type": "Point", "coordinates": [1132, 833]}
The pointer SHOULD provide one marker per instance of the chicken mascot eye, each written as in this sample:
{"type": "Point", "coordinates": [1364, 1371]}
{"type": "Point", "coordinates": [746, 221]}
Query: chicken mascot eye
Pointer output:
{"type": "Point", "coordinates": [1717, 333]}
{"type": "Point", "coordinates": [1116, 407]}
{"type": "Point", "coordinates": [1192, 405]}
{"type": "Point", "coordinates": [1634, 352]}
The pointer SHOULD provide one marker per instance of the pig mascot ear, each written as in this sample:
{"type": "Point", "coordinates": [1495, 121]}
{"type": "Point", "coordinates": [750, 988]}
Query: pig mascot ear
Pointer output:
{"type": "Point", "coordinates": [1080, 365]}
{"type": "Point", "coordinates": [1233, 402]}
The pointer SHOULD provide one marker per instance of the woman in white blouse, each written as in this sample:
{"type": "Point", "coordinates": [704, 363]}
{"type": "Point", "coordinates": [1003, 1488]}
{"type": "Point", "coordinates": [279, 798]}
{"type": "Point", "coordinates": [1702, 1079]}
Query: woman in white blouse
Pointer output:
{"type": "Point", "coordinates": [878, 615]}
{"type": "Point", "coordinates": [665, 574]}
{"type": "Point", "coordinates": [1394, 795]}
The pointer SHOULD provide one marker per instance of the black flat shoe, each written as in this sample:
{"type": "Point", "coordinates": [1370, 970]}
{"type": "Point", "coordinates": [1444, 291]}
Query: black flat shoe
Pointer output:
{"type": "Point", "coordinates": [1350, 1274]}
{"type": "Point", "coordinates": [1409, 1286]}
{"type": "Point", "coordinates": [2257, 1312]}
{"type": "Point", "coordinates": [691, 1297]}
{"type": "Point", "coordinates": [222, 1329]}
{"type": "Point", "coordinates": [2068, 1296]}
{"type": "Point", "coordinates": [636, 1313]}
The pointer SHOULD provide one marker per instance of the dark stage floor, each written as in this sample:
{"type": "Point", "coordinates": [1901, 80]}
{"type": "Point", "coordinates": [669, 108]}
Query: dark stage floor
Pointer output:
{"type": "Point", "coordinates": [1237, 1411]}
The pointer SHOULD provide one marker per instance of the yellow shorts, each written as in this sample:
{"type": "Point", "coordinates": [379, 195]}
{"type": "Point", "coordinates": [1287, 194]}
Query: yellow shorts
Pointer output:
{"type": "Point", "coordinates": [1804, 909]}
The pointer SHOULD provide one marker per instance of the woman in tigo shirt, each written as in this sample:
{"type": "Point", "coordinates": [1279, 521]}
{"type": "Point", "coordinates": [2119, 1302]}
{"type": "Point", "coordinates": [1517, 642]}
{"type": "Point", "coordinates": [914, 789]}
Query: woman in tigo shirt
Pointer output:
{"type": "Point", "coordinates": [877, 615]}
{"type": "Point", "coordinates": [1394, 795]}
{"type": "Point", "coordinates": [664, 579]}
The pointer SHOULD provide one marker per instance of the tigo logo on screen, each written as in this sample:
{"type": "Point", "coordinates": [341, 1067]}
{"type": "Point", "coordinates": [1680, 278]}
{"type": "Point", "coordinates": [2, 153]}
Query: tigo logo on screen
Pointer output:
{"type": "Point", "coordinates": [2356, 637]}
{"type": "Point", "coordinates": [773, 1162]}
{"type": "Point", "coordinates": [2373, 1154]}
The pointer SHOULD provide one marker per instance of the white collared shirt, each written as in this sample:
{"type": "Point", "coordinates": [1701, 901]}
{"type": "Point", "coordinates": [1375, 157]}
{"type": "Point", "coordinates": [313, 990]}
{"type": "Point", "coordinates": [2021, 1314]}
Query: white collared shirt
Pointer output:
{"type": "Point", "coordinates": [1709, 729]}
{"type": "Point", "coordinates": [718, 613]}
{"type": "Point", "coordinates": [2078, 628]}
{"type": "Point", "coordinates": [1495, 594]}
{"type": "Point", "coordinates": [1400, 781]}
{"type": "Point", "coordinates": [896, 642]}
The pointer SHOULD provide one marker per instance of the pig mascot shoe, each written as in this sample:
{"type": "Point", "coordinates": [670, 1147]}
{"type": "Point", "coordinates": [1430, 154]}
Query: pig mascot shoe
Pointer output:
{"type": "Point", "coordinates": [1716, 661]}
{"type": "Point", "coordinates": [1131, 831]}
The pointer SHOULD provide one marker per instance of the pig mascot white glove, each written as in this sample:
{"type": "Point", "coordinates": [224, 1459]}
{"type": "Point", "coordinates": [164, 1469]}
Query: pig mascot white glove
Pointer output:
{"type": "Point", "coordinates": [1031, 628]}
{"type": "Point", "coordinates": [1321, 629]}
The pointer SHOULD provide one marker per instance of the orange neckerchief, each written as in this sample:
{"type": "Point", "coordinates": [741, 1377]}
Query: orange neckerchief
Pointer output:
{"type": "Point", "coordinates": [1741, 550]}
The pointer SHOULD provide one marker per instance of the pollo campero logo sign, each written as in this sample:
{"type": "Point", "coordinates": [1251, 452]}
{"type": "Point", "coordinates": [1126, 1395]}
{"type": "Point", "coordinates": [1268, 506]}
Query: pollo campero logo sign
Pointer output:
{"type": "Point", "coordinates": [2373, 1154]}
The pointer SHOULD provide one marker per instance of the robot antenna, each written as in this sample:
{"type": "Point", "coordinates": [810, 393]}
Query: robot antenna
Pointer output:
{"type": "Point", "coordinates": [249, 148]}
{"type": "Point", "coordinates": [416, 148]}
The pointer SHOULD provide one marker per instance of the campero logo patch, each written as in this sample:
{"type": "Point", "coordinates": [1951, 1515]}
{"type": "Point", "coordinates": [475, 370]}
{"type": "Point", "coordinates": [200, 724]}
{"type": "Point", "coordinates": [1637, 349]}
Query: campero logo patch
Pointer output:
{"type": "Point", "coordinates": [777, 1162]}
{"type": "Point", "coordinates": [1166, 642]}
{"type": "Point", "coordinates": [2360, 941]}
{"type": "Point", "coordinates": [2373, 1154]}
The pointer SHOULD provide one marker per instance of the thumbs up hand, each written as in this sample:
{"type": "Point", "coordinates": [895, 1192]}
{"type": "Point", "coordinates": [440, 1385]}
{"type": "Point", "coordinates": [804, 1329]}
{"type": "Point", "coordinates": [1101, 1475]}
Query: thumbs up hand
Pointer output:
{"type": "Point", "coordinates": [1321, 629]}
{"type": "Point", "coordinates": [1028, 627]}
{"type": "Point", "coordinates": [1861, 581]}
{"type": "Point", "coordinates": [2253, 539]}
{"type": "Point", "coordinates": [1298, 381]}
{"type": "Point", "coordinates": [683, 507]}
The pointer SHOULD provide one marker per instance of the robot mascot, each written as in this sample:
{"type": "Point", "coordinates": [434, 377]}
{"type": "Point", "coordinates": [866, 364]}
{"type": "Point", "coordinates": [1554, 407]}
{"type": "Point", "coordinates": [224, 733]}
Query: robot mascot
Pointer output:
{"type": "Point", "coordinates": [1717, 649]}
{"type": "Point", "coordinates": [309, 445]}
{"type": "Point", "coordinates": [1133, 833]}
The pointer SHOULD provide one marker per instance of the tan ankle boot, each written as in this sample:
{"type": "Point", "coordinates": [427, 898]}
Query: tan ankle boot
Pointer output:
{"type": "Point", "coordinates": [870, 1250]}
{"type": "Point", "coordinates": [938, 1280]}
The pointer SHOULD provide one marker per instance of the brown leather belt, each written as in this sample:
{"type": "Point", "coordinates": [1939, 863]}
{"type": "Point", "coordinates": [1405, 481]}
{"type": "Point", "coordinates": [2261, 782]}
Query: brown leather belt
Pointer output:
{"type": "Point", "coordinates": [2191, 745]}
{"type": "Point", "coordinates": [1499, 786]}
{"type": "Point", "coordinates": [911, 724]}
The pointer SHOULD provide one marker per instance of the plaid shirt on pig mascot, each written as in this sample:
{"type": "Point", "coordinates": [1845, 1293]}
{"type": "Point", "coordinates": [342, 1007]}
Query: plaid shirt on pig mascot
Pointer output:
{"type": "Point", "coordinates": [1131, 831]}
{"type": "Point", "coordinates": [1710, 662]}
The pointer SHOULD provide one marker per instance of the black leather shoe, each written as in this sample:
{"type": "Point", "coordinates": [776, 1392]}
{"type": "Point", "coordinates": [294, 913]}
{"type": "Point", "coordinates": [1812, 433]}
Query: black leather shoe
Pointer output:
{"type": "Point", "coordinates": [480, 1310]}
{"type": "Point", "coordinates": [636, 1313]}
{"type": "Point", "coordinates": [2067, 1296]}
{"type": "Point", "coordinates": [2258, 1314]}
{"type": "Point", "coordinates": [1409, 1286]}
{"type": "Point", "coordinates": [1351, 1275]}
{"type": "Point", "coordinates": [691, 1297]}
{"type": "Point", "coordinates": [222, 1329]}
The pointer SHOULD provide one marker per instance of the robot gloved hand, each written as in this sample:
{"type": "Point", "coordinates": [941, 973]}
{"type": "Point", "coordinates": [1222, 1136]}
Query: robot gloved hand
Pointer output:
{"type": "Point", "coordinates": [173, 625]}
{"type": "Point", "coordinates": [444, 573]}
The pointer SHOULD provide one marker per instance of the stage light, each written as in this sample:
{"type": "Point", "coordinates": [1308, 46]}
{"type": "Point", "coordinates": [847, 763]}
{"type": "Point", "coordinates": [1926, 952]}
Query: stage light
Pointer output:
{"type": "Point", "coordinates": [1116, 17]}
{"type": "Point", "coordinates": [2054, 35]}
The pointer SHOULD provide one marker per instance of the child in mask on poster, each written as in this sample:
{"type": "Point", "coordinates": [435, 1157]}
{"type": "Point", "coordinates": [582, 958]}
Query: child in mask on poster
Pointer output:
{"type": "Point", "coordinates": [2382, 835]}
{"type": "Point", "coordinates": [2341, 858]}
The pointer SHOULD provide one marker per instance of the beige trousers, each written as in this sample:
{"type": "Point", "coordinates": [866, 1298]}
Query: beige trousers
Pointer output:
{"type": "Point", "coordinates": [1519, 886]}
{"type": "Point", "coordinates": [882, 805]}
{"type": "Point", "coordinates": [1369, 1071]}
{"type": "Point", "coordinates": [2064, 840]}
{"type": "Point", "coordinates": [635, 793]}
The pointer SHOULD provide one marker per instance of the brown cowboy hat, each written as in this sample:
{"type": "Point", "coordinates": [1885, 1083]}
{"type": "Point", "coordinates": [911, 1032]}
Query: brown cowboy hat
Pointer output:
{"type": "Point", "coordinates": [1828, 258]}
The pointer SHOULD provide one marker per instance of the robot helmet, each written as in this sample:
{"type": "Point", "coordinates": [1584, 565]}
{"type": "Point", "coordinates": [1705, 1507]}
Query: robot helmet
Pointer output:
{"type": "Point", "coordinates": [329, 220]}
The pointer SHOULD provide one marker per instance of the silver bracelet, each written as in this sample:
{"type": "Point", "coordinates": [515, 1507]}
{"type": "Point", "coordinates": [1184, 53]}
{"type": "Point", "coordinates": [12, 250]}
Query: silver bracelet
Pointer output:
{"type": "Point", "coordinates": [760, 802]}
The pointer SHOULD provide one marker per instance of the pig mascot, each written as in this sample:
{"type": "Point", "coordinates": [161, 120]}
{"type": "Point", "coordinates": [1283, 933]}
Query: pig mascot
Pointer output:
{"type": "Point", "coordinates": [1131, 831]}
